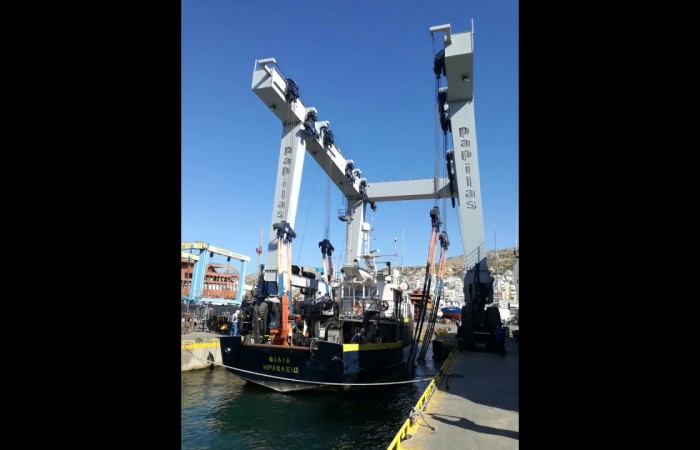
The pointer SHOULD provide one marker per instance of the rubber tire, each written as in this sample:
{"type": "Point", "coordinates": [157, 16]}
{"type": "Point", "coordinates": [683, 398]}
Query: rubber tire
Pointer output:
{"type": "Point", "coordinates": [493, 319]}
{"type": "Point", "coordinates": [468, 319]}
{"type": "Point", "coordinates": [331, 324]}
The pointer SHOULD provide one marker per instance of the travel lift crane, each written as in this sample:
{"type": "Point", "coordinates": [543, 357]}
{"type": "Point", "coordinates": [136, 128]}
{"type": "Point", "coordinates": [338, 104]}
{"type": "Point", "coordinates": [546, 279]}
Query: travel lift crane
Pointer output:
{"type": "Point", "coordinates": [201, 262]}
{"type": "Point", "coordinates": [456, 107]}
{"type": "Point", "coordinates": [301, 133]}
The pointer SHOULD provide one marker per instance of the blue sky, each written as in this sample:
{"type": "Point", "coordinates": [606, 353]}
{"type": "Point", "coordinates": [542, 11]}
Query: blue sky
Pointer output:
{"type": "Point", "coordinates": [367, 67]}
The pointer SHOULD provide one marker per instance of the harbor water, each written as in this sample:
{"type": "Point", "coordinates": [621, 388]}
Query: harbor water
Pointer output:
{"type": "Point", "coordinates": [219, 411]}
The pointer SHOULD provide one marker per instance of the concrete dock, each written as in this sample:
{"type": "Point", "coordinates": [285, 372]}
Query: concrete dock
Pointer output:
{"type": "Point", "coordinates": [475, 405]}
{"type": "Point", "coordinates": [199, 349]}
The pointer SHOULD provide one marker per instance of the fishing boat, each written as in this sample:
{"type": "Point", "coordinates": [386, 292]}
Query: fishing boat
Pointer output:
{"type": "Point", "coordinates": [452, 308]}
{"type": "Point", "coordinates": [355, 331]}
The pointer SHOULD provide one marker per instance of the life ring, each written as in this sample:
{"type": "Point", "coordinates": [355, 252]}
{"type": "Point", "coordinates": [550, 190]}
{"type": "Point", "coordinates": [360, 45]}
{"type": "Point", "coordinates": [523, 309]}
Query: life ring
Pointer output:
{"type": "Point", "coordinates": [357, 309]}
{"type": "Point", "coordinates": [384, 305]}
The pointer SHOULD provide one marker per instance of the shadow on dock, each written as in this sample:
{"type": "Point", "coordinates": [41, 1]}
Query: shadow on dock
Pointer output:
{"type": "Point", "coordinates": [470, 425]}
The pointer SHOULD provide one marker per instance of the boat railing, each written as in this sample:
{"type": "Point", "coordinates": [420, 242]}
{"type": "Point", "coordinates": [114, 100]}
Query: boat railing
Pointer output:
{"type": "Point", "coordinates": [355, 307]}
{"type": "Point", "coordinates": [475, 255]}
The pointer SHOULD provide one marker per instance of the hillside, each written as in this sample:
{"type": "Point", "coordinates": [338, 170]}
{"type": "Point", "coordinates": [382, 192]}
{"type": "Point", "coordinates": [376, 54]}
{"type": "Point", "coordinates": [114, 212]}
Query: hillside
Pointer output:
{"type": "Point", "coordinates": [499, 260]}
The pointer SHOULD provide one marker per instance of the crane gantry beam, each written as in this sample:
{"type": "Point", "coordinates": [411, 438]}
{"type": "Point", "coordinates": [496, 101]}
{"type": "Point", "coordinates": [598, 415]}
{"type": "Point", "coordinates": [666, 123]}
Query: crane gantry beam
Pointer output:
{"type": "Point", "coordinates": [272, 88]}
{"type": "Point", "coordinates": [201, 261]}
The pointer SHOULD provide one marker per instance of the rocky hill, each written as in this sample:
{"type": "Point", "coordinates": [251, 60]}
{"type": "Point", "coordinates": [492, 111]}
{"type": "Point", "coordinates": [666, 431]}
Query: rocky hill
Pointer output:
{"type": "Point", "coordinates": [499, 260]}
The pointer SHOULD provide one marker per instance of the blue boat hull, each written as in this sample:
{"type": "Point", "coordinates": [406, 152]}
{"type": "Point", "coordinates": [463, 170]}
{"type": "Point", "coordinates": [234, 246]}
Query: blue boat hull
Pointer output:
{"type": "Point", "coordinates": [452, 312]}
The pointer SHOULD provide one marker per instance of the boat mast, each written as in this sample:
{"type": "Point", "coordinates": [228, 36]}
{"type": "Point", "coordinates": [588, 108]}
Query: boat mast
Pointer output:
{"type": "Point", "coordinates": [259, 249]}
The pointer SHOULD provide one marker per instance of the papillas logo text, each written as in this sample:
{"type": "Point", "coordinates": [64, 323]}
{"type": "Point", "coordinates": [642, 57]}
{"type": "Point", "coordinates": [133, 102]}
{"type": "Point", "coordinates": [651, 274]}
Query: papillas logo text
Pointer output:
{"type": "Point", "coordinates": [286, 164]}
{"type": "Point", "coordinates": [466, 155]}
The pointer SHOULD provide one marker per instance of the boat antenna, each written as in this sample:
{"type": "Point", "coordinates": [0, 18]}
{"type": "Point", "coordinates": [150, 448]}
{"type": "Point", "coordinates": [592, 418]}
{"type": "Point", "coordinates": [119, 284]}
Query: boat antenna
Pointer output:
{"type": "Point", "coordinates": [395, 254]}
{"type": "Point", "coordinates": [259, 249]}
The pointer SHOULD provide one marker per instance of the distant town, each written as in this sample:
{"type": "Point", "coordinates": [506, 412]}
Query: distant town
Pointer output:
{"type": "Point", "coordinates": [500, 264]}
